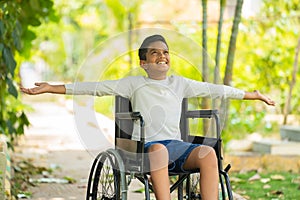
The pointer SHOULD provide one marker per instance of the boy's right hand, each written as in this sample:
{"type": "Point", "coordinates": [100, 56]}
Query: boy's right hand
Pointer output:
{"type": "Point", "coordinates": [40, 89]}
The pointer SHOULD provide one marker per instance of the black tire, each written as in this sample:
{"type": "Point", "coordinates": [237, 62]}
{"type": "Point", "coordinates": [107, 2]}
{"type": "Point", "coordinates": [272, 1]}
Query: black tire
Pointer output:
{"type": "Point", "coordinates": [89, 193]}
{"type": "Point", "coordinates": [106, 180]}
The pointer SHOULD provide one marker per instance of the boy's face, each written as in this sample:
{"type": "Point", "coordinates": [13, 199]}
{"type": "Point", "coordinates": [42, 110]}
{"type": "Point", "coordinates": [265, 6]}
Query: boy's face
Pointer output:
{"type": "Point", "coordinates": [157, 58]}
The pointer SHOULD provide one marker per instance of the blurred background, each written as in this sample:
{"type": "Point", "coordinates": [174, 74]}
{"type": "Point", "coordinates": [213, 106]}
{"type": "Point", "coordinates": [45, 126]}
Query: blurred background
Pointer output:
{"type": "Point", "coordinates": [248, 44]}
{"type": "Point", "coordinates": [50, 40]}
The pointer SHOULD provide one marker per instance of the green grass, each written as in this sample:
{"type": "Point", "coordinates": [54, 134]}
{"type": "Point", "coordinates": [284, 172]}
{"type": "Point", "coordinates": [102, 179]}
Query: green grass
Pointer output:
{"type": "Point", "coordinates": [275, 185]}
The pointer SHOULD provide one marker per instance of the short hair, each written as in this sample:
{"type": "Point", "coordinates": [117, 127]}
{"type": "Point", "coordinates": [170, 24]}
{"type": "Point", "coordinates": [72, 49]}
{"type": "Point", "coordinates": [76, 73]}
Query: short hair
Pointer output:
{"type": "Point", "coordinates": [147, 41]}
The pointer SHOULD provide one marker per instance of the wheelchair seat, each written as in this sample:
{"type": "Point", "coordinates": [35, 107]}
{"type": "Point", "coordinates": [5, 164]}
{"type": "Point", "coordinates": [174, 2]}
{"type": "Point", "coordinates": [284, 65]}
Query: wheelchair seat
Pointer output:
{"type": "Point", "coordinates": [112, 170]}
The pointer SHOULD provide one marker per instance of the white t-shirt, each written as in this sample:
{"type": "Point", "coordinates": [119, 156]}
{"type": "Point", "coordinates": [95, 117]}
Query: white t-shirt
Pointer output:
{"type": "Point", "coordinates": [158, 101]}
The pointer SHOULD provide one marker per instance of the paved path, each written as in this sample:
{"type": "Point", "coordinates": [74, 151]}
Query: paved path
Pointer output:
{"type": "Point", "coordinates": [53, 141]}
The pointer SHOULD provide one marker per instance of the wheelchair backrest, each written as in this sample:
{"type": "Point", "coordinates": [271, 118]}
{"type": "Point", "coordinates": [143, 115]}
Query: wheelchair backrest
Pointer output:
{"type": "Point", "coordinates": [124, 128]}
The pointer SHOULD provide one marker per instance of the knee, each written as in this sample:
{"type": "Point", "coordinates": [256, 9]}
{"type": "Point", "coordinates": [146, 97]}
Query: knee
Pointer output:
{"type": "Point", "coordinates": [158, 150]}
{"type": "Point", "coordinates": [207, 156]}
{"type": "Point", "coordinates": [158, 155]}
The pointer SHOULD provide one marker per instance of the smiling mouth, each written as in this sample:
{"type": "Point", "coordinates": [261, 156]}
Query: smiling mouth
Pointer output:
{"type": "Point", "coordinates": [161, 63]}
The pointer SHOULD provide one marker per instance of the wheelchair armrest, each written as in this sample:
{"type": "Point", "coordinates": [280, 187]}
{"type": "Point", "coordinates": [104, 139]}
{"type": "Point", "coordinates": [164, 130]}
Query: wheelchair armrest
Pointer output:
{"type": "Point", "coordinates": [201, 113]}
{"type": "Point", "coordinates": [129, 115]}
{"type": "Point", "coordinates": [134, 116]}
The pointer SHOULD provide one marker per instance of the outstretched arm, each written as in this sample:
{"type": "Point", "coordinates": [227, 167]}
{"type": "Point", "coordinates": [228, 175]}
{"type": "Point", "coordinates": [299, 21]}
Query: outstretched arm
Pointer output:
{"type": "Point", "coordinates": [44, 88]}
{"type": "Point", "coordinates": [256, 95]}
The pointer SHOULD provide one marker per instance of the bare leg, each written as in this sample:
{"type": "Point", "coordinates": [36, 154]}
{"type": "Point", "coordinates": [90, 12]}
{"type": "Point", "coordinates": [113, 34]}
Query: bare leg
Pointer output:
{"type": "Point", "coordinates": [205, 159]}
{"type": "Point", "coordinates": [159, 157]}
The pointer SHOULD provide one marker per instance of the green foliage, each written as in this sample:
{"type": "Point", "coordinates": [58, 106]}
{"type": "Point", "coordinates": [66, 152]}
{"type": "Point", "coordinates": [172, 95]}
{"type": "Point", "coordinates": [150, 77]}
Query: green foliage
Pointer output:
{"type": "Point", "coordinates": [246, 118]}
{"type": "Point", "coordinates": [84, 25]}
{"type": "Point", "coordinates": [15, 36]}
{"type": "Point", "coordinates": [264, 61]}
{"type": "Point", "coordinates": [270, 53]}
{"type": "Point", "coordinates": [263, 57]}
{"type": "Point", "coordinates": [120, 11]}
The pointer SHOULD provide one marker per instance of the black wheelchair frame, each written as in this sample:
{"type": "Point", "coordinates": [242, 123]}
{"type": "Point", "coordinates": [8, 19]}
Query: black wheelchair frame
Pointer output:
{"type": "Point", "coordinates": [112, 170]}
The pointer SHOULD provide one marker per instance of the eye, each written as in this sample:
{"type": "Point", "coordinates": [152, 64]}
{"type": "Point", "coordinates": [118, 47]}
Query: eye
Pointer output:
{"type": "Point", "coordinates": [166, 52]}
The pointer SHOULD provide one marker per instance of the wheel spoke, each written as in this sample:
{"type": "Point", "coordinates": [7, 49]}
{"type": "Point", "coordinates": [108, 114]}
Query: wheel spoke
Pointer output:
{"type": "Point", "coordinates": [195, 186]}
{"type": "Point", "coordinates": [107, 178]}
{"type": "Point", "coordinates": [106, 181]}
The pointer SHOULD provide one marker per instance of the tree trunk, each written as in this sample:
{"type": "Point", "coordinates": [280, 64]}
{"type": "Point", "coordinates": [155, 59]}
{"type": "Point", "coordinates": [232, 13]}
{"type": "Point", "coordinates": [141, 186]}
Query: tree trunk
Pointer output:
{"type": "Point", "coordinates": [130, 40]}
{"type": "Point", "coordinates": [205, 77]}
{"type": "Point", "coordinates": [231, 52]}
{"type": "Point", "coordinates": [219, 40]}
{"type": "Point", "coordinates": [232, 43]}
{"type": "Point", "coordinates": [204, 41]}
{"type": "Point", "coordinates": [287, 106]}
{"type": "Point", "coordinates": [216, 102]}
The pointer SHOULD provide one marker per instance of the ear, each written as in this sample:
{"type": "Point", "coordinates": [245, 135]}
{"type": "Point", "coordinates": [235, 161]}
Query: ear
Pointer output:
{"type": "Point", "coordinates": [143, 64]}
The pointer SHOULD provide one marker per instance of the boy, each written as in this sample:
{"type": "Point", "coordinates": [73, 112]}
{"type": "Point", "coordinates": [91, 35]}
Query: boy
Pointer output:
{"type": "Point", "coordinates": [158, 98]}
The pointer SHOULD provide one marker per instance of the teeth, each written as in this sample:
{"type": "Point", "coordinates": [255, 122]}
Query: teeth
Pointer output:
{"type": "Point", "coordinates": [161, 62]}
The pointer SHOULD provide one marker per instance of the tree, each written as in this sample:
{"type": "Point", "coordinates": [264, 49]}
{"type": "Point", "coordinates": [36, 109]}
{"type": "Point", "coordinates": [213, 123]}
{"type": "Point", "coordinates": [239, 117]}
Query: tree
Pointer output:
{"type": "Point", "coordinates": [232, 43]}
{"type": "Point", "coordinates": [231, 50]}
{"type": "Point", "coordinates": [205, 76]}
{"type": "Point", "coordinates": [266, 48]}
{"type": "Point", "coordinates": [204, 46]}
{"type": "Point", "coordinates": [16, 18]}
{"type": "Point", "coordinates": [219, 42]}
{"type": "Point", "coordinates": [125, 14]}
{"type": "Point", "coordinates": [292, 83]}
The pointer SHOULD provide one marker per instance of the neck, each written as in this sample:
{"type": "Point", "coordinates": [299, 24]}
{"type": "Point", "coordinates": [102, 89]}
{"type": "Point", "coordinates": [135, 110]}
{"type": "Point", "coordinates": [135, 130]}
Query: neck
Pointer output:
{"type": "Point", "coordinates": [157, 77]}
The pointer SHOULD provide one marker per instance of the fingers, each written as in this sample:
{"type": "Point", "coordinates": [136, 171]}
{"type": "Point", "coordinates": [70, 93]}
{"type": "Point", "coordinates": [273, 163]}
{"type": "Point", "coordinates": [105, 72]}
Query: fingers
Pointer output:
{"type": "Point", "coordinates": [25, 90]}
{"type": "Point", "coordinates": [267, 100]}
{"type": "Point", "coordinates": [28, 90]}
{"type": "Point", "coordinates": [34, 90]}
{"type": "Point", "coordinates": [271, 102]}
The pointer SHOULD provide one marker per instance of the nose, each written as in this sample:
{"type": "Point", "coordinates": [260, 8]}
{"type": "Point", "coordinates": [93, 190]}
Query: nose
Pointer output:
{"type": "Point", "coordinates": [161, 54]}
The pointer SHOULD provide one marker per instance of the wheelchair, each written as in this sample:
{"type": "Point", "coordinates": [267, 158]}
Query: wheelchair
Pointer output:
{"type": "Point", "coordinates": [113, 170]}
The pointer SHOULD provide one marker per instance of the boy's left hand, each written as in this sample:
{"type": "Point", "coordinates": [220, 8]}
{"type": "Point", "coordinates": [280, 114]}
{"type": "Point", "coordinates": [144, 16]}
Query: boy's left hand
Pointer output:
{"type": "Point", "coordinates": [262, 97]}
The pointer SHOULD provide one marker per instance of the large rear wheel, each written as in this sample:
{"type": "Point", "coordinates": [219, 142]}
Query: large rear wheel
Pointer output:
{"type": "Point", "coordinates": [193, 190]}
{"type": "Point", "coordinates": [109, 178]}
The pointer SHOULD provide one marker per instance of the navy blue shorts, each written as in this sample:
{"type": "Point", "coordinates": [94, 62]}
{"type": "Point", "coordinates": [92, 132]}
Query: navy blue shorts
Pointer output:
{"type": "Point", "coordinates": [178, 153]}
